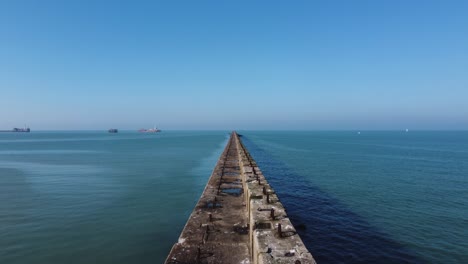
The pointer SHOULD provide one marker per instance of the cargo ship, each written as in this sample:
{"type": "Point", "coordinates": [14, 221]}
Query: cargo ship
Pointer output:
{"type": "Point", "coordinates": [151, 130]}
{"type": "Point", "coordinates": [113, 130]}
{"type": "Point", "coordinates": [25, 129]}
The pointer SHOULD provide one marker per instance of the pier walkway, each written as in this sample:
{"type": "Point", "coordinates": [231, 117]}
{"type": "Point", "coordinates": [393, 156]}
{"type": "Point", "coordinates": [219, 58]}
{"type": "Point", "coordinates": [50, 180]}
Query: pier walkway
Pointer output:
{"type": "Point", "coordinates": [239, 218]}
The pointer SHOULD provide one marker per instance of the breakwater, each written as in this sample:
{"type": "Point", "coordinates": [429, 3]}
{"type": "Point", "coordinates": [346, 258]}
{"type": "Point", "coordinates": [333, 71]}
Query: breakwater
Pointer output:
{"type": "Point", "coordinates": [238, 218]}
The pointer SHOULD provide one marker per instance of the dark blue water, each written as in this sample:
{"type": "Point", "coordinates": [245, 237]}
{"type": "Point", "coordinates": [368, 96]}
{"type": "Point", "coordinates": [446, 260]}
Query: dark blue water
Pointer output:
{"type": "Point", "coordinates": [377, 197]}
{"type": "Point", "coordinates": [93, 197]}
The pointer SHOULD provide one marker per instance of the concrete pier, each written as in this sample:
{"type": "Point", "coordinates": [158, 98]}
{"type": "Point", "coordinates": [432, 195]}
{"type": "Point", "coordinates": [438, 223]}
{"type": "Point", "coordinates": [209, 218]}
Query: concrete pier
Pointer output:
{"type": "Point", "coordinates": [239, 218]}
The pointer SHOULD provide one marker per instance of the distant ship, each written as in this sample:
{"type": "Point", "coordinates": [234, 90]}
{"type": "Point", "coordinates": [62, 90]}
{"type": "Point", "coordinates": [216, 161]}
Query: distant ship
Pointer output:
{"type": "Point", "coordinates": [25, 129]}
{"type": "Point", "coordinates": [151, 130]}
{"type": "Point", "coordinates": [113, 130]}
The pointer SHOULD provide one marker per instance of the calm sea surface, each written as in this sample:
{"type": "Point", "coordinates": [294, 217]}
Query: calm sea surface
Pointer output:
{"type": "Point", "coordinates": [93, 197]}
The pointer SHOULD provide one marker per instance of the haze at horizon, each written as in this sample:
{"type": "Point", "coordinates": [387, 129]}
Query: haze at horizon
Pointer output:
{"type": "Point", "coordinates": [243, 65]}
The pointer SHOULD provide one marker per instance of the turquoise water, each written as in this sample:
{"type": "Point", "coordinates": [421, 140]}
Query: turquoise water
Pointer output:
{"type": "Point", "coordinates": [94, 197]}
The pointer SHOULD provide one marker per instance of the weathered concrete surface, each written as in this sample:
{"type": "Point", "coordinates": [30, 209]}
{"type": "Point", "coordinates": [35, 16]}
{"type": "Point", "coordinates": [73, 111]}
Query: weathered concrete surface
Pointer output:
{"type": "Point", "coordinates": [239, 218]}
{"type": "Point", "coordinates": [217, 231]}
{"type": "Point", "coordinates": [273, 238]}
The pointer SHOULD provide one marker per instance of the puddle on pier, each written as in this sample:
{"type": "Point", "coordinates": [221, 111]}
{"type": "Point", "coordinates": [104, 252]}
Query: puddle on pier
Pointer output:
{"type": "Point", "coordinates": [231, 173]}
{"type": "Point", "coordinates": [213, 205]}
{"type": "Point", "coordinates": [233, 191]}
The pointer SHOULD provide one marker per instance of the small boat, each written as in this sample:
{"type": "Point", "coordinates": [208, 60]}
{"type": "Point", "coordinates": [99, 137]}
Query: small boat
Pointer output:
{"type": "Point", "coordinates": [151, 130]}
{"type": "Point", "coordinates": [113, 130]}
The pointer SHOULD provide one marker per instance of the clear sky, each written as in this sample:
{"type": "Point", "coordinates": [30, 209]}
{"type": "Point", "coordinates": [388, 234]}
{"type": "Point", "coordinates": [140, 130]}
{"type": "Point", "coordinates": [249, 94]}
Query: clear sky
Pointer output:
{"type": "Point", "coordinates": [234, 64]}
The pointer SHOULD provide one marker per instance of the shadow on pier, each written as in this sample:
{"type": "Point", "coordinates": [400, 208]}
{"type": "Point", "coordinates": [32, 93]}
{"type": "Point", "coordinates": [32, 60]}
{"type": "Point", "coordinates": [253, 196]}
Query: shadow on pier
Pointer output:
{"type": "Point", "coordinates": [329, 229]}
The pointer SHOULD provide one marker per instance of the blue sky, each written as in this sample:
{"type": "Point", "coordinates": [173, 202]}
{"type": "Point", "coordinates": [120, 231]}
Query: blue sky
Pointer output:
{"type": "Point", "coordinates": [234, 64]}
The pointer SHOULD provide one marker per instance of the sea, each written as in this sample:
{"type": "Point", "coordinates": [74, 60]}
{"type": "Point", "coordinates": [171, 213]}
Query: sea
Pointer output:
{"type": "Point", "coordinates": [368, 197]}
